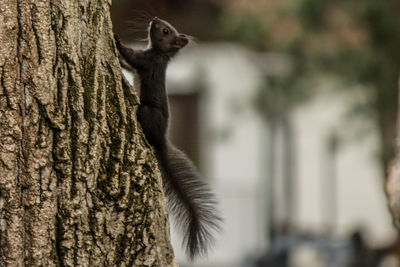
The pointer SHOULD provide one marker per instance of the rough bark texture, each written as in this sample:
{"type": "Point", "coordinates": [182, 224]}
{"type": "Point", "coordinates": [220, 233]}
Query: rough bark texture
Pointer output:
{"type": "Point", "coordinates": [79, 186]}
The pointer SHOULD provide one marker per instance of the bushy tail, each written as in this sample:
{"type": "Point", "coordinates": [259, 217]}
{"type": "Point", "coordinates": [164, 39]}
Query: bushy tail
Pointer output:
{"type": "Point", "coordinates": [190, 201]}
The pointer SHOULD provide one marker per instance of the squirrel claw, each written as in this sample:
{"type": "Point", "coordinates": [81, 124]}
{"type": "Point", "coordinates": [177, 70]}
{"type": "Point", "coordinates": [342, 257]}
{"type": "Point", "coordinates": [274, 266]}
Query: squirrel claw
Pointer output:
{"type": "Point", "coordinates": [117, 38]}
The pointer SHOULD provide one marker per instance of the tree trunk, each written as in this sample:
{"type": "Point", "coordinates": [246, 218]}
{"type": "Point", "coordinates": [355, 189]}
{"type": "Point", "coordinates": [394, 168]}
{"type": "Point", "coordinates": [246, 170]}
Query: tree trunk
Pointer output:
{"type": "Point", "coordinates": [387, 134]}
{"type": "Point", "coordinates": [271, 178]}
{"type": "Point", "coordinates": [79, 185]}
{"type": "Point", "coordinates": [392, 188]}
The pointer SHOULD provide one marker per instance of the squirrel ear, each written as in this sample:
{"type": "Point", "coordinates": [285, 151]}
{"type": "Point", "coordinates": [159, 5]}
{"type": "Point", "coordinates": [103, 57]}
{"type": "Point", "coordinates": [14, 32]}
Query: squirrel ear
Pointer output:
{"type": "Point", "coordinates": [181, 41]}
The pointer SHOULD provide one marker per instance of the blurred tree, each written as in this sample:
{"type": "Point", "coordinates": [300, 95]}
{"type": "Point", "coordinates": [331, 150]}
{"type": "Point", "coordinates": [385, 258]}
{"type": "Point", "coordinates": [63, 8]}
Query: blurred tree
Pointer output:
{"type": "Point", "coordinates": [275, 102]}
{"type": "Point", "coordinates": [357, 40]}
{"type": "Point", "coordinates": [367, 36]}
{"type": "Point", "coordinates": [393, 180]}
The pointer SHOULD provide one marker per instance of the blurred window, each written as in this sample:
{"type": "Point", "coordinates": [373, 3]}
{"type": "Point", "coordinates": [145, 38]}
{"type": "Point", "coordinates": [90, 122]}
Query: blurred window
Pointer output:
{"type": "Point", "coordinates": [184, 124]}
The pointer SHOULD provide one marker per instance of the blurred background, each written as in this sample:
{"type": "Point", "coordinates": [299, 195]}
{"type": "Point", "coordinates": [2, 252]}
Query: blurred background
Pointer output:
{"type": "Point", "coordinates": [289, 109]}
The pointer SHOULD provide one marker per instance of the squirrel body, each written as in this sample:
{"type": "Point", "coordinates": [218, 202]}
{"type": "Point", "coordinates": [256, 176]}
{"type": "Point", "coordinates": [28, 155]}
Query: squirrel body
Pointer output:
{"type": "Point", "coordinates": [189, 199]}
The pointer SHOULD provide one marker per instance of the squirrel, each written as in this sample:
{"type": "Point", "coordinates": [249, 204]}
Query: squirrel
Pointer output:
{"type": "Point", "coordinates": [189, 199]}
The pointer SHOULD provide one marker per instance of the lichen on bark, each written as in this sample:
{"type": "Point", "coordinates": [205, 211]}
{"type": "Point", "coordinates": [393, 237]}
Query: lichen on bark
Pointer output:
{"type": "Point", "coordinates": [79, 185]}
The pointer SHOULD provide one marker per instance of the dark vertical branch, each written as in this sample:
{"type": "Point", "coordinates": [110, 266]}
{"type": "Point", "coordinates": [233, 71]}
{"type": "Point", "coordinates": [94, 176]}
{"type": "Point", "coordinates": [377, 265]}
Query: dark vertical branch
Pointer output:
{"type": "Point", "coordinates": [271, 177]}
{"type": "Point", "coordinates": [289, 169]}
{"type": "Point", "coordinates": [398, 118]}
{"type": "Point", "coordinates": [329, 182]}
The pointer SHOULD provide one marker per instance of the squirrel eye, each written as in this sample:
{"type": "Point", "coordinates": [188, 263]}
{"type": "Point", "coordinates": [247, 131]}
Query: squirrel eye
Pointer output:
{"type": "Point", "coordinates": [165, 31]}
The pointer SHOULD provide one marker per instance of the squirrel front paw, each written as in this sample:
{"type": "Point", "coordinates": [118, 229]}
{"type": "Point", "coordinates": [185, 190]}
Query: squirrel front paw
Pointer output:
{"type": "Point", "coordinates": [117, 39]}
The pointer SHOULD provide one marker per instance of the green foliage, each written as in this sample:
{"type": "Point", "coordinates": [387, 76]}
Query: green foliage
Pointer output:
{"type": "Point", "coordinates": [380, 19]}
{"type": "Point", "coordinates": [311, 14]}
{"type": "Point", "coordinates": [244, 28]}
{"type": "Point", "coordinates": [280, 94]}
{"type": "Point", "coordinates": [357, 40]}
{"type": "Point", "coordinates": [375, 64]}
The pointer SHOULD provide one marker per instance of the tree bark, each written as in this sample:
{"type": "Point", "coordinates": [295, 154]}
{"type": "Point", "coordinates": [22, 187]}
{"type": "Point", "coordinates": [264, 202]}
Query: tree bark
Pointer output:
{"type": "Point", "coordinates": [79, 185]}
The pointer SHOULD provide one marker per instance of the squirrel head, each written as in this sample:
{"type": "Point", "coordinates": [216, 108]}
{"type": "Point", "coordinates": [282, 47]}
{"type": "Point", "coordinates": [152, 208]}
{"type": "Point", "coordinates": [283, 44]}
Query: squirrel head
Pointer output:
{"type": "Point", "coordinates": [165, 38]}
